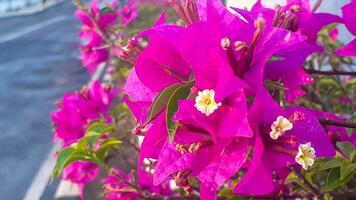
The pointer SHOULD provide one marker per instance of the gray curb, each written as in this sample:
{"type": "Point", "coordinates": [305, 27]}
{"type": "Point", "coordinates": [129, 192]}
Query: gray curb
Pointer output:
{"type": "Point", "coordinates": [31, 10]}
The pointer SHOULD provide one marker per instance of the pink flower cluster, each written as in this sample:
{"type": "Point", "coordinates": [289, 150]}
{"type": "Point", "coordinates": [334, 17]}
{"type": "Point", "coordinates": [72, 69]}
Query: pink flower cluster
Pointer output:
{"type": "Point", "coordinates": [231, 121]}
{"type": "Point", "coordinates": [94, 30]}
{"type": "Point", "coordinates": [73, 115]}
{"type": "Point", "coordinates": [96, 26]}
{"type": "Point", "coordinates": [128, 12]}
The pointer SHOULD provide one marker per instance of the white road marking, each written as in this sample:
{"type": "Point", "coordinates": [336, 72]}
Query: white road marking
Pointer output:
{"type": "Point", "coordinates": [98, 72]}
{"type": "Point", "coordinates": [67, 189]}
{"type": "Point", "coordinates": [42, 177]}
{"type": "Point", "coordinates": [32, 28]}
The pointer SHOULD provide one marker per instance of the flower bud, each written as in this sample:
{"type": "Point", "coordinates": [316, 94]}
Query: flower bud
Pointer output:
{"type": "Point", "coordinates": [225, 43]}
{"type": "Point", "coordinates": [239, 45]}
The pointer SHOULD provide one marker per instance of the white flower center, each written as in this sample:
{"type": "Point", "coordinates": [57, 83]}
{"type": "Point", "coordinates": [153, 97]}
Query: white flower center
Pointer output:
{"type": "Point", "coordinates": [305, 156]}
{"type": "Point", "coordinates": [205, 102]}
{"type": "Point", "coordinates": [279, 127]}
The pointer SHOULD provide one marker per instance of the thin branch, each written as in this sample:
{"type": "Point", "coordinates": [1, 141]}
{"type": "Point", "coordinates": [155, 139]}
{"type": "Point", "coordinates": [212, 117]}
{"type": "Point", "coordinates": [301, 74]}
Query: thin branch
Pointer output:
{"type": "Point", "coordinates": [327, 122]}
{"type": "Point", "coordinates": [335, 72]}
{"type": "Point", "coordinates": [132, 144]}
{"type": "Point", "coordinates": [276, 196]}
{"type": "Point", "coordinates": [304, 181]}
{"type": "Point", "coordinates": [347, 193]}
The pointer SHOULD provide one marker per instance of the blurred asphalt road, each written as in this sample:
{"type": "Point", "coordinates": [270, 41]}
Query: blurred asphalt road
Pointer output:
{"type": "Point", "coordinates": [38, 63]}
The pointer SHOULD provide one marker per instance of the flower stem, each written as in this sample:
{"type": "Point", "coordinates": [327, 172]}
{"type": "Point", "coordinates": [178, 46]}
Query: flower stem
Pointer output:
{"type": "Point", "coordinates": [276, 196]}
{"type": "Point", "coordinates": [305, 182]}
{"type": "Point", "coordinates": [335, 72]}
{"type": "Point", "coordinates": [100, 163]}
{"type": "Point", "coordinates": [327, 122]}
{"type": "Point", "coordinates": [317, 5]}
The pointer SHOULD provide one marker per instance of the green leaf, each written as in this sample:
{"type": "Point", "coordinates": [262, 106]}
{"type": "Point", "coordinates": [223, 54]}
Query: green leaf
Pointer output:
{"type": "Point", "coordinates": [329, 86]}
{"type": "Point", "coordinates": [234, 198]}
{"type": "Point", "coordinates": [62, 160]}
{"type": "Point", "coordinates": [161, 101]}
{"type": "Point", "coordinates": [346, 169]}
{"type": "Point", "coordinates": [180, 93]}
{"type": "Point", "coordinates": [91, 139]}
{"type": "Point", "coordinates": [83, 149]}
{"type": "Point", "coordinates": [291, 178]}
{"type": "Point", "coordinates": [106, 10]}
{"type": "Point", "coordinates": [346, 147]}
{"type": "Point", "coordinates": [95, 132]}
{"type": "Point", "coordinates": [225, 192]}
{"type": "Point", "coordinates": [106, 146]}
{"type": "Point", "coordinates": [308, 177]}
{"type": "Point", "coordinates": [351, 86]}
{"type": "Point", "coordinates": [275, 58]}
{"type": "Point", "coordinates": [335, 162]}
{"type": "Point", "coordinates": [97, 127]}
{"type": "Point", "coordinates": [332, 180]}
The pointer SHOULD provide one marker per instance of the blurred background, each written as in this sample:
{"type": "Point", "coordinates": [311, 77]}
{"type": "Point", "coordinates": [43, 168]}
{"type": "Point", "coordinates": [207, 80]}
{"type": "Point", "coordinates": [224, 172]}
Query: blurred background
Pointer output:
{"type": "Point", "coordinates": [38, 64]}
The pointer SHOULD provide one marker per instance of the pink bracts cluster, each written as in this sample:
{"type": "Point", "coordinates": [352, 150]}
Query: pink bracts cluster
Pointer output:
{"type": "Point", "coordinates": [223, 62]}
{"type": "Point", "coordinates": [74, 113]}
{"type": "Point", "coordinates": [95, 25]}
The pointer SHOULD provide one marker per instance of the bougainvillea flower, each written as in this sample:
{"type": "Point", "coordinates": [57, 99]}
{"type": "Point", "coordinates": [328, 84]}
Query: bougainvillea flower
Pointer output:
{"type": "Point", "coordinates": [81, 173]}
{"type": "Point", "coordinates": [195, 155]}
{"type": "Point", "coordinates": [224, 64]}
{"type": "Point", "coordinates": [128, 12]}
{"type": "Point", "coordinates": [78, 109]}
{"type": "Point", "coordinates": [165, 67]}
{"type": "Point", "coordinates": [335, 133]}
{"type": "Point", "coordinates": [146, 182]}
{"type": "Point", "coordinates": [69, 124]}
{"type": "Point", "coordinates": [348, 49]}
{"type": "Point", "coordinates": [140, 97]}
{"type": "Point", "coordinates": [74, 114]}
{"type": "Point", "coordinates": [297, 146]}
{"type": "Point", "coordinates": [172, 158]}
{"type": "Point", "coordinates": [257, 54]}
{"type": "Point", "coordinates": [349, 17]}
{"type": "Point", "coordinates": [286, 59]}
{"type": "Point", "coordinates": [94, 25]}
{"type": "Point", "coordinates": [183, 157]}
{"type": "Point", "coordinates": [208, 49]}
{"type": "Point", "coordinates": [297, 15]}
{"type": "Point", "coordinates": [101, 19]}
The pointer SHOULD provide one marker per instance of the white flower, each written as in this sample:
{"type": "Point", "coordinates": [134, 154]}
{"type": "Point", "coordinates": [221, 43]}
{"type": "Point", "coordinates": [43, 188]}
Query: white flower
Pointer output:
{"type": "Point", "coordinates": [305, 156]}
{"type": "Point", "coordinates": [205, 102]}
{"type": "Point", "coordinates": [279, 127]}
